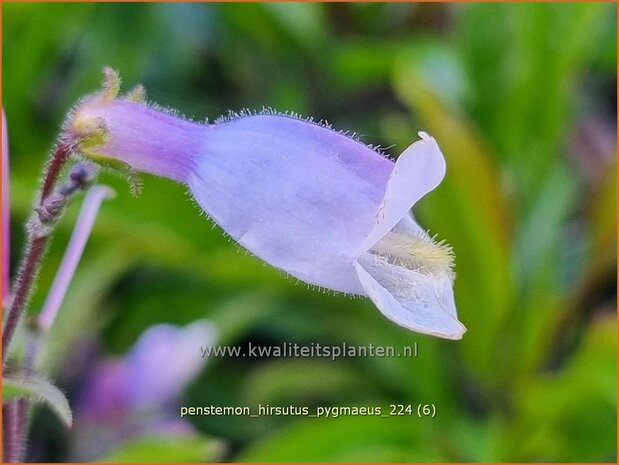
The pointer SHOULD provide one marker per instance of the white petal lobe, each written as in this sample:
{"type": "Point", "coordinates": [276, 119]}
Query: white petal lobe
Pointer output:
{"type": "Point", "coordinates": [412, 299]}
{"type": "Point", "coordinates": [418, 170]}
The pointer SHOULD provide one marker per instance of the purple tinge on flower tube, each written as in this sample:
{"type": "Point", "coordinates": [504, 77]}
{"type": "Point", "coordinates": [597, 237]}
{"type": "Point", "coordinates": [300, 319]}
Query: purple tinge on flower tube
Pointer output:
{"type": "Point", "coordinates": [313, 202]}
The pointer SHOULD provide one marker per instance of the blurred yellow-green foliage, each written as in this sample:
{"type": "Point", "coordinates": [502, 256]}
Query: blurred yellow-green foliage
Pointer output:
{"type": "Point", "coordinates": [522, 100]}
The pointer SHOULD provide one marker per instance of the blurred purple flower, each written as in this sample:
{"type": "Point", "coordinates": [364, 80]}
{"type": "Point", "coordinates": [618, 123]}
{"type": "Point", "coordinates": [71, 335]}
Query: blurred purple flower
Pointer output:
{"type": "Point", "coordinates": [164, 360]}
{"type": "Point", "coordinates": [313, 202]}
{"type": "Point", "coordinates": [161, 363]}
{"type": "Point", "coordinates": [104, 395]}
{"type": "Point", "coordinates": [133, 396]}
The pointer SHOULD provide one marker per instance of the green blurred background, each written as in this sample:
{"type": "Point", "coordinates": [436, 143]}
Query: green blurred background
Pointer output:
{"type": "Point", "coordinates": [522, 100]}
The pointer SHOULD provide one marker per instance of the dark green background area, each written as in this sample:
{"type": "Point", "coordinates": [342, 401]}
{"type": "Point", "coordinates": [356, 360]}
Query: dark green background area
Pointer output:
{"type": "Point", "coordinates": [522, 100]}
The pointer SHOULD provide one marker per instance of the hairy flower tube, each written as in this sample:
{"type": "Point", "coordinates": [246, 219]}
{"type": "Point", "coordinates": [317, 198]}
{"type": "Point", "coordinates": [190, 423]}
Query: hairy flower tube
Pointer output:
{"type": "Point", "coordinates": [306, 199]}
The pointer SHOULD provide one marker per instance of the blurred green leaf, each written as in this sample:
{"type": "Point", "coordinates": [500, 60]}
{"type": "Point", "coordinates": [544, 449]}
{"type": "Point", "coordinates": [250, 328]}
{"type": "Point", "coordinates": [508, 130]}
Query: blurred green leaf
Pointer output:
{"type": "Point", "coordinates": [37, 389]}
{"type": "Point", "coordinates": [541, 244]}
{"type": "Point", "coordinates": [539, 236]}
{"type": "Point", "coordinates": [83, 307]}
{"type": "Point", "coordinates": [358, 64]}
{"type": "Point", "coordinates": [515, 64]}
{"type": "Point", "coordinates": [304, 22]}
{"type": "Point", "coordinates": [162, 449]}
{"type": "Point", "coordinates": [347, 439]}
{"type": "Point", "coordinates": [574, 410]}
{"type": "Point", "coordinates": [280, 382]}
{"type": "Point", "coordinates": [469, 209]}
{"type": "Point", "coordinates": [602, 224]}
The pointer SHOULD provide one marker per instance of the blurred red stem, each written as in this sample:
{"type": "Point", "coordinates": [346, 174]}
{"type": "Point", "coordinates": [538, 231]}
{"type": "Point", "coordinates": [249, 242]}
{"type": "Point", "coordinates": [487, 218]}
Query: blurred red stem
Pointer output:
{"type": "Point", "coordinates": [14, 422]}
{"type": "Point", "coordinates": [9, 425]}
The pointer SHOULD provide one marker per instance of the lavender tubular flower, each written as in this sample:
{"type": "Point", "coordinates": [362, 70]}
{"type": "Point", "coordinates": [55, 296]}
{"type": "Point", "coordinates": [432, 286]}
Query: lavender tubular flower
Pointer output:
{"type": "Point", "coordinates": [308, 200]}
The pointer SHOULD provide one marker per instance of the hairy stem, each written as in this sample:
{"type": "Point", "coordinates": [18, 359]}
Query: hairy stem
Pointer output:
{"type": "Point", "coordinates": [21, 414]}
{"type": "Point", "coordinates": [25, 280]}
{"type": "Point", "coordinates": [51, 204]}
{"type": "Point", "coordinates": [64, 275]}
{"type": "Point", "coordinates": [14, 415]}
{"type": "Point", "coordinates": [37, 329]}
{"type": "Point", "coordinates": [59, 158]}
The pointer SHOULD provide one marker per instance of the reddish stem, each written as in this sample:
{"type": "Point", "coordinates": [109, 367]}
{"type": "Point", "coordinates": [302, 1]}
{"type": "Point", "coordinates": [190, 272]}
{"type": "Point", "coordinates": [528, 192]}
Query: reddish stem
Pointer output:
{"type": "Point", "coordinates": [31, 261]}
{"type": "Point", "coordinates": [15, 413]}
{"type": "Point", "coordinates": [60, 157]}
{"type": "Point", "coordinates": [9, 431]}
{"type": "Point", "coordinates": [14, 421]}
{"type": "Point", "coordinates": [25, 280]}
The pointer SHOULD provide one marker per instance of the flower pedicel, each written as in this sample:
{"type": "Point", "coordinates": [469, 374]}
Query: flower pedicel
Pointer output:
{"type": "Point", "coordinates": [308, 200]}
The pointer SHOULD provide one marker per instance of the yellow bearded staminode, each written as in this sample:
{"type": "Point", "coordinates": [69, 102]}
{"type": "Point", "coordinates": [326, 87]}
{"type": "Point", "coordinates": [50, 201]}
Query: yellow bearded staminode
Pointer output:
{"type": "Point", "coordinates": [417, 253]}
